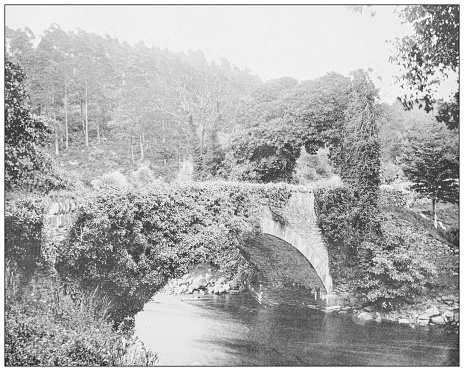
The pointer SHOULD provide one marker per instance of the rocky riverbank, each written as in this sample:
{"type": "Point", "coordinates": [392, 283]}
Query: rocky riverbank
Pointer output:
{"type": "Point", "coordinates": [443, 310]}
{"type": "Point", "coordinates": [201, 284]}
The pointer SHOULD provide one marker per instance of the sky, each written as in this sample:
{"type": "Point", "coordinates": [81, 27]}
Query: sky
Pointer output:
{"type": "Point", "coordinates": [304, 42]}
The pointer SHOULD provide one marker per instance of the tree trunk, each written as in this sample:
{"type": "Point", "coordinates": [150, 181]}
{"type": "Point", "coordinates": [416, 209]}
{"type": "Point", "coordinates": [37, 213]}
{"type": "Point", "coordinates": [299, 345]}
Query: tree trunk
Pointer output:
{"type": "Point", "coordinates": [434, 210]}
{"type": "Point", "coordinates": [132, 150]}
{"type": "Point", "coordinates": [57, 145]}
{"type": "Point", "coordinates": [82, 116]}
{"type": "Point", "coordinates": [142, 144]}
{"type": "Point", "coordinates": [86, 117]}
{"type": "Point", "coordinates": [98, 132]}
{"type": "Point", "coordinates": [66, 115]}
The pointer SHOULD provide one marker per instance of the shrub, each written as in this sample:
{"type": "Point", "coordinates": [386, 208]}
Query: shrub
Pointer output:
{"type": "Point", "coordinates": [113, 180]}
{"type": "Point", "coordinates": [383, 267]}
{"type": "Point", "coordinates": [389, 196]}
{"type": "Point", "coordinates": [399, 268]}
{"type": "Point", "coordinates": [42, 333]}
{"type": "Point", "coordinates": [129, 242]}
{"type": "Point", "coordinates": [24, 218]}
{"type": "Point", "coordinates": [143, 176]}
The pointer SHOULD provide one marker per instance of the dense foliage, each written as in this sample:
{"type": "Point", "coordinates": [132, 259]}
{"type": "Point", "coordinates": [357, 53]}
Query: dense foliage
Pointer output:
{"type": "Point", "coordinates": [397, 268]}
{"type": "Point", "coordinates": [27, 166]}
{"type": "Point", "coordinates": [128, 243]}
{"type": "Point", "coordinates": [24, 221]}
{"type": "Point", "coordinates": [282, 117]}
{"type": "Point", "coordinates": [429, 54]}
{"type": "Point", "coordinates": [42, 332]}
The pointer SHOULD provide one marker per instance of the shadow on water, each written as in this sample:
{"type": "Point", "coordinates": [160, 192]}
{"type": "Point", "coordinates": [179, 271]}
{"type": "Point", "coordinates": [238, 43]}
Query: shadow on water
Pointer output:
{"type": "Point", "coordinates": [275, 324]}
{"type": "Point", "coordinates": [234, 330]}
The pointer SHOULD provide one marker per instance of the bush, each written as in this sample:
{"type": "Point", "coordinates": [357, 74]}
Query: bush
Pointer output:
{"type": "Point", "coordinates": [399, 268]}
{"type": "Point", "coordinates": [389, 196]}
{"type": "Point", "coordinates": [113, 180]}
{"type": "Point", "coordinates": [388, 266]}
{"type": "Point", "coordinates": [129, 242]}
{"type": "Point", "coordinates": [40, 332]}
{"type": "Point", "coordinates": [143, 176]}
{"type": "Point", "coordinates": [24, 220]}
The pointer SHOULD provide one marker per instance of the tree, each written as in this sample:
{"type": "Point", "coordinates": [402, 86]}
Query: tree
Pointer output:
{"type": "Point", "coordinates": [431, 162]}
{"type": "Point", "coordinates": [433, 51]}
{"type": "Point", "coordinates": [361, 165]}
{"type": "Point", "coordinates": [25, 163]}
{"type": "Point", "coordinates": [280, 118]}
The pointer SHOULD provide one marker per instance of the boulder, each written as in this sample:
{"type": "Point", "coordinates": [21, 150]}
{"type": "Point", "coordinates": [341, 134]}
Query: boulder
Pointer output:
{"type": "Point", "coordinates": [432, 311]}
{"type": "Point", "coordinates": [217, 288]}
{"type": "Point", "coordinates": [190, 289]}
{"type": "Point", "coordinates": [221, 280]}
{"type": "Point", "coordinates": [178, 290]}
{"type": "Point", "coordinates": [226, 287]}
{"type": "Point", "coordinates": [210, 290]}
{"type": "Point", "coordinates": [456, 316]}
{"type": "Point", "coordinates": [378, 317]}
{"type": "Point", "coordinates": [200, 283]}
{"type": "Point", "coordinates": [403, 321]}
{"type": "Point", "coordinates": [438, 320]}
{"type": "Point", "coordinates": [368, 309]}
{"type": "Point", "coordinates": [365, 316]}
{"type": "Point", "coordinates": [222, 289]}
{"type": "Point", "coordinates": [184, 288]}
{"type": "Point", "coordinates": [448, 314]}
{"type": "Point", "coordinates": [353, 301]}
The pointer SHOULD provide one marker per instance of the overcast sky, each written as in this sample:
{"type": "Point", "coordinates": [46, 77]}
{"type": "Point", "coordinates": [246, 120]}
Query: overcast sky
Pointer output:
{"type": "Point", "coordinates": [304, 42]}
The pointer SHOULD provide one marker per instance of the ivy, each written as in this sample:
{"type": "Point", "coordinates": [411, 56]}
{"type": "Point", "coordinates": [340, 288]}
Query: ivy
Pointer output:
{"type": "Point", "coordinates": [129, 242]}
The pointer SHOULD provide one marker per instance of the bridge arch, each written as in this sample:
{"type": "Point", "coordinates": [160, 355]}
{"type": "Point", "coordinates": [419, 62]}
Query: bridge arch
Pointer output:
{"type": "Point", "coordinates": [313, 250]}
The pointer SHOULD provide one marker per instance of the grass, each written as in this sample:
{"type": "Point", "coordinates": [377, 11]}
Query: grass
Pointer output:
{"type": "Point", "coordinates": [50, 324]}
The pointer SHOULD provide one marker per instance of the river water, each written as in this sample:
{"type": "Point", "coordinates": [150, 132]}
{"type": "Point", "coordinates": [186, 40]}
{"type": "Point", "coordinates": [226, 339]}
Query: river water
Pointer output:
{"type": "Point", "coordinates": [236, 330]}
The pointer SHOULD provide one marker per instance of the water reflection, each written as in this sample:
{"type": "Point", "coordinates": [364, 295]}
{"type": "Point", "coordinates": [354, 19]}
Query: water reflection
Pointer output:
{"type": "Point", "coordinates": [235, 330]}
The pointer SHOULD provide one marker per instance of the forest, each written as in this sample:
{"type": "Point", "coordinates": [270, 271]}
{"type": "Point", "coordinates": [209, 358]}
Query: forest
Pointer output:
{"type": "Point", "coordinates": [115, 107]}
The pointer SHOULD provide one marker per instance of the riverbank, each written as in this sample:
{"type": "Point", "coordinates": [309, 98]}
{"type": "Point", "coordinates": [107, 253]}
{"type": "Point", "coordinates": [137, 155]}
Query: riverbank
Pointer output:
{"type": "Point", "coordinates": [44, 326]}
{"type": "Point", "coordinates": [442, 311]}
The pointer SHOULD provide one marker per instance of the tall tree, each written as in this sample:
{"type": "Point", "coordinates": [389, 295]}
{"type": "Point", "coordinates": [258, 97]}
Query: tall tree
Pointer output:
{"type": "Point", "coordinates": [25, 163]}
{"type": "Point", "coordinates": [431, 162]}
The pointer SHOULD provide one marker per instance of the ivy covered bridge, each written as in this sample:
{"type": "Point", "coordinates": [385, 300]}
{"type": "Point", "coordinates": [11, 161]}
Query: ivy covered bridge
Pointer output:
{"type": "Point", "coordinates": [141, 238]}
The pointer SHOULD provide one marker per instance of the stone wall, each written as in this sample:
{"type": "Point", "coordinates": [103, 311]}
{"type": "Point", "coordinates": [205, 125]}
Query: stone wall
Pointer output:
{"type": "Point", "coordinates": [57, 223]}
{"type": "Point", "coordinates": [303, 233]}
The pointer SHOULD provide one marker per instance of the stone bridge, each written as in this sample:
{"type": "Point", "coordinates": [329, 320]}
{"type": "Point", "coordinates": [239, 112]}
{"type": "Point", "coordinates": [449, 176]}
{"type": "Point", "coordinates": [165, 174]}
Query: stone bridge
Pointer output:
{"type": "Point", "coordinates": [302, 233]}
{"type": "Point", "coordinates": [299, 236]}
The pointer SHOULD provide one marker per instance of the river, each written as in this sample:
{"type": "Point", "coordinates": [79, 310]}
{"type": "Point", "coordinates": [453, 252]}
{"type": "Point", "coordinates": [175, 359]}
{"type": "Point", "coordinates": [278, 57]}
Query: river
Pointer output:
{"type": "Point", "coordinates": [236, 330]}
